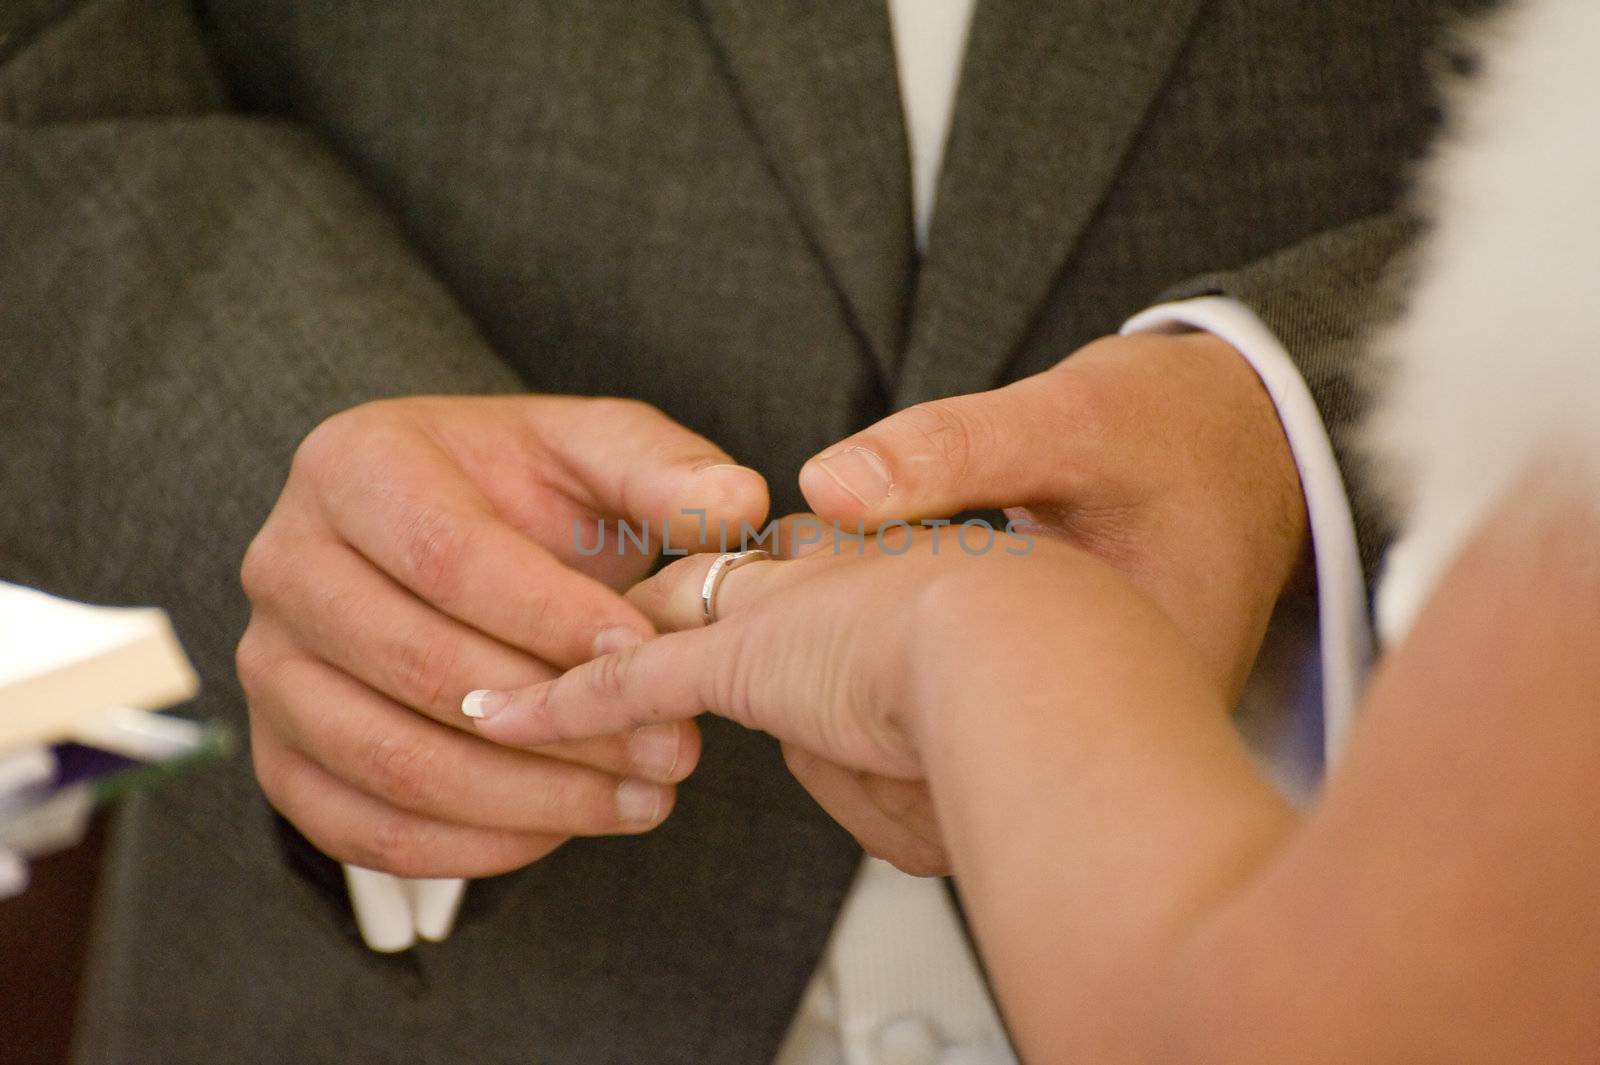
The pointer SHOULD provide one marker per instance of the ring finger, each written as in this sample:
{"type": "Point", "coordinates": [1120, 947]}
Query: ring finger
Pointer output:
{"type": "Point", "coordinates": [673, 598]}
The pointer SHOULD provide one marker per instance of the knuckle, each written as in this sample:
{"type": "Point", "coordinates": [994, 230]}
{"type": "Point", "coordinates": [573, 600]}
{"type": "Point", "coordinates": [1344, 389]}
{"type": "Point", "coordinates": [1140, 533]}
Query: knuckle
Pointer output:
{"type": "Point", "coordinates": [312, 452]}
{"type": "Point", "coordinates": [268, 767]}
{"type": "Point", "coordinates": [608, 678]}
{"type": "Point", "coordinates": [247, 658]}
{"type": "Point", "coordinates": [433, 550]}
{"type": "Point", "coordinates": [338, 611]}
{"type": "Point", "coordinates": [425, 670]}
{"type": "Point", "coordinates": [947, 431]}
{"type": "Point", "coordinates": [393, 843]}
{"type": "Point", "coordinates": [533, 706]}
{"type": "Point", "coordinates": [326, 444]}
{"type": "Point", "coordinates": [540, 620]}
{"type": "Point", "coordinates": [261, 572]}
{"type": "Point", "coordinates": [573, 804]}
{"type": "Point", "coordinates": [731, 685]}
{"type": "Point", "coordinates": [253, 663]}
{"type": "Point", "coordinates": [399, 771]}
{"type": "Point", "coordinates": [655, 596]}
{"type": "Point", "coordinates": [357, 449]}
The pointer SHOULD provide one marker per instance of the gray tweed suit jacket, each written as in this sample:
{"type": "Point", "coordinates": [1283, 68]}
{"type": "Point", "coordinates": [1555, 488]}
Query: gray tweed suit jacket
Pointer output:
{"type": "Point", "coordinates": [220, 224]}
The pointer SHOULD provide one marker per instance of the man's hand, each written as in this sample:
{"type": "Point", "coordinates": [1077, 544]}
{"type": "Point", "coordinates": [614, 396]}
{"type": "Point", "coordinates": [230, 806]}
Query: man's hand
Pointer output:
{"type": "Point", "coordinates": [426, 547]}
{"type": "Point", "coordinates": [1163, 455]}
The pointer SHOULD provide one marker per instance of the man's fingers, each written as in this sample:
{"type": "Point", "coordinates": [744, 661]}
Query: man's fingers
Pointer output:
{"type": "Point", "coordinates": [991, 449]}
{"type": "Point", "coordinates": [438, 536]}
{"type": "Point", "coordinates": [391, 642]}
{"type": "Point", "coordinates": [854, 799]}
{"type": "Point", "coordinates": [351, 826]}
{"type": "Point", "coordinates": [416, 765]}
{"type": "Point", "coordinates": [351, 615]}
{"type": "Point", "coordinates": [639, 465]}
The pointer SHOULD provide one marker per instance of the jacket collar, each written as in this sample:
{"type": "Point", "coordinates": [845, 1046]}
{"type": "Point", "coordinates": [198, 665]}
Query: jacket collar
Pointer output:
{"type": "Point", "coordinates": [1052, 97]}
{"type": "Point", "coordinates": [818, 86]}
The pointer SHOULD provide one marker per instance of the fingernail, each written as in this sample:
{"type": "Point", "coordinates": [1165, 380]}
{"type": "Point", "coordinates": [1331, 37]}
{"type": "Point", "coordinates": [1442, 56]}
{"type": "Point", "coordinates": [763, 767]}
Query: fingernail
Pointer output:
{"type": "Point", "coordinates": [483, 703]}
{"type": "Point", "coordinates": [654, 750]}
{"type": "Point", "coordinates": [638, 803]}
{"type": "Point", "coordinates": [705, 467]}
{"type": "Point", "coordinates": [609, 641]}
{"type": "Point", "coordinates": [861, 473]}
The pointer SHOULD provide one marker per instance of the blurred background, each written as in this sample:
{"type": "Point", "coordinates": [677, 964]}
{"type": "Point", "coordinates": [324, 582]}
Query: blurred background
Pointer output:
{"type": "Point", "coordinates": [44, 936]}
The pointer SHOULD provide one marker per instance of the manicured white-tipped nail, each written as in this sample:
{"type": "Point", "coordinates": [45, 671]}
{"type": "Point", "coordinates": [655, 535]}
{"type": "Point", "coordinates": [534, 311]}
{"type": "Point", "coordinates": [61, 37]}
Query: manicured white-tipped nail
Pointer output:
{"type": "Point", "coordinates": [383, 909]}
{"type": "Point", "coordinates": [434, 905]}
{"type": "Point", "coordinates": [483, 702]}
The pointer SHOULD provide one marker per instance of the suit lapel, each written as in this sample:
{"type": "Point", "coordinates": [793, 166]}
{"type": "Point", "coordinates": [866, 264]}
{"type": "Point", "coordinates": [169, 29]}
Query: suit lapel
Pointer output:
{"type": "Point", "coordinates": [1052, 96]}
{"type": "Point", "coordinates": [817, 83]}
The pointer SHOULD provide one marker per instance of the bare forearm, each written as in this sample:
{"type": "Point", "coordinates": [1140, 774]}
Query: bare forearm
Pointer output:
{"type": "Point", "coordinates": [1097, 806]}
{"type": "Point", "coordinates": [1143, 896]}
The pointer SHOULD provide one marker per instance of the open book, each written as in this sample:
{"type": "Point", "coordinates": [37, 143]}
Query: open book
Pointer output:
{"type": "Point", "coordinates": [63, 665]}
{"type": "Point", "coordinates": [77, 687]}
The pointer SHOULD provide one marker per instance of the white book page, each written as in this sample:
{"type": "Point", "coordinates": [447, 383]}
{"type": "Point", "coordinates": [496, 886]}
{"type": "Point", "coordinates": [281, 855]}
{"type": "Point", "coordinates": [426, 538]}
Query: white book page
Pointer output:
{"type": "Point", "coordinates": [40, 633]}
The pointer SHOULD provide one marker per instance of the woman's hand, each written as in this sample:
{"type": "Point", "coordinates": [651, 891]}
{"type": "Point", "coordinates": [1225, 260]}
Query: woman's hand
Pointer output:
{"type": "Point", "coordinates": [824, 652]}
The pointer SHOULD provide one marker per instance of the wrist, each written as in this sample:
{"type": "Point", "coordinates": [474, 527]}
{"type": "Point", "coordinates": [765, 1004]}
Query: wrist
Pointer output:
{"type": "Point", "coordinates": [948, 639]}
{"type": "Point", "coordinates": [1276, 499]}
{"type": "Point", "coordinates": [980, 633]}
{"type": "Point", "coordinates": [1250, 540]}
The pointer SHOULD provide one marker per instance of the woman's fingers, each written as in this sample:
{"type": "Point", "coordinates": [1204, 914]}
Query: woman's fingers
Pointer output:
{"type": "Point", "coordinates": [807, 666]}
{"type": "Point", "coordinates": [672, 598]}
{"type": "Point", "coordinates": [770, 670]}
{"type": "Point", "coordinates": [649, 686]}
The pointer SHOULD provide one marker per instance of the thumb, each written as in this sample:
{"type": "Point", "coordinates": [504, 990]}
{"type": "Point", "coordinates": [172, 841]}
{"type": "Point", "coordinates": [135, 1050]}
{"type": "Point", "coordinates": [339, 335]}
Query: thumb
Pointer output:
{"type": "Point", "coordinates": [639, 465]}
{"type": "Point", "coordinates": [988, 449]}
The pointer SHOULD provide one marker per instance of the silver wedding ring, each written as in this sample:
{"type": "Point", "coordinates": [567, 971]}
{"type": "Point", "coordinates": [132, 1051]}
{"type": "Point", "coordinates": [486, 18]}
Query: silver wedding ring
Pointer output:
{"type": "Point", "coordinates": [720, 568]}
